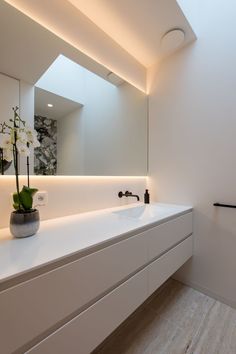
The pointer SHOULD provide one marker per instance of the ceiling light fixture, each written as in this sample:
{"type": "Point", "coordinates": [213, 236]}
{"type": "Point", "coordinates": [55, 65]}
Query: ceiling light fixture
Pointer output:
{"type": "Point", "coordinates": [115, 79]}
{"type": "Point", "coordinates": [50, 105]}
{"type": "Point", "coordinates": [172, 40]}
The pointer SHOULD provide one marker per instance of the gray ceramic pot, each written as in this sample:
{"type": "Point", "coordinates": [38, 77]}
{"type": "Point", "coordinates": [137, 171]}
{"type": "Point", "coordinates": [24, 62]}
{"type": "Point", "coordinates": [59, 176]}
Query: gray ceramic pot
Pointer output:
{"type": "Point", "coordinates": [24, 224]}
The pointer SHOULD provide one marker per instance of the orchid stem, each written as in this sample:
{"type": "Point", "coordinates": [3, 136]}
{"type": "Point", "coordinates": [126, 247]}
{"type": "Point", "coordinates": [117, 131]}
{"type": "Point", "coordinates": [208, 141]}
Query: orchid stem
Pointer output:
{"type": "Point", "coordinates": [15, 156]}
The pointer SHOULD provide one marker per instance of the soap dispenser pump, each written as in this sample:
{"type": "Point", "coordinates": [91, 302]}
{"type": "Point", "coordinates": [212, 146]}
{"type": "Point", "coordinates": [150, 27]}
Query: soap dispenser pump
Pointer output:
{"type": "Point", "coordinates": [146, 197]}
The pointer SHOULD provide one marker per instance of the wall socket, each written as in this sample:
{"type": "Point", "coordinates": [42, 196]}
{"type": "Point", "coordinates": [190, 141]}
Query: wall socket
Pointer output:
{"type": "Point", "coordinates": [41, 198]}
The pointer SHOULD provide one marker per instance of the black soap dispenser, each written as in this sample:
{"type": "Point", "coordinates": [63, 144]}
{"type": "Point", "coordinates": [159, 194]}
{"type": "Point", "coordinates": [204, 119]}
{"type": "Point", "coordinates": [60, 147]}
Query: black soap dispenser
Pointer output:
{"type": "Point", "coordinates": [146, 197]}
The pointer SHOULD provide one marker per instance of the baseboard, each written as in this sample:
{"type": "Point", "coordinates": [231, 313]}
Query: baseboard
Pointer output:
{"type": "Point", "coordinates": [207, 292]}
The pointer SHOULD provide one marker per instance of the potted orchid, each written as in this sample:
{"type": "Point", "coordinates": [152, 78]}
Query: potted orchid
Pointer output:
{"type": "Point", "coordinates": [16, 138]}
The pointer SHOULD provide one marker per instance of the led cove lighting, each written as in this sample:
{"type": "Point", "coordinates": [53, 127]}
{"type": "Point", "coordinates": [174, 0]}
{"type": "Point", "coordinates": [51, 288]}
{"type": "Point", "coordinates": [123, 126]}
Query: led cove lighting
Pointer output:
{"type": "Point", "coordinates": [39, 19]}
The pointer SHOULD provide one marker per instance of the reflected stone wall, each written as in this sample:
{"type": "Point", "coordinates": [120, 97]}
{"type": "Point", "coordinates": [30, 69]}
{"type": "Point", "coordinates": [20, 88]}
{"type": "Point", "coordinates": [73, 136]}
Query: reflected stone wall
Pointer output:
{"type": "Point", "coordinates": [45, 156]}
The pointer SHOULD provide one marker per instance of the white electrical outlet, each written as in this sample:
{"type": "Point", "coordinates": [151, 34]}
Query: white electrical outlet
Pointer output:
{"type": "Point", "coordinates": [41, 198]}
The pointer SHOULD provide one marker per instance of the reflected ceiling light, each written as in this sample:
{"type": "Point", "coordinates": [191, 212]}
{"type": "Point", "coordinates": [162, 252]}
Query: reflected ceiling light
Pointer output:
{"type": "Point", "coordinates": [172, 40]}
{"type": "Point", "coordinates": [50, 105]}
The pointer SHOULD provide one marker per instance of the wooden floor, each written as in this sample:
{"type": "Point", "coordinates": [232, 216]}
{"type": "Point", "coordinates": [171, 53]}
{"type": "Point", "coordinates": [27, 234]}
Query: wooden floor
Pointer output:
{"type": "Point", "coordinates": [178, 320]}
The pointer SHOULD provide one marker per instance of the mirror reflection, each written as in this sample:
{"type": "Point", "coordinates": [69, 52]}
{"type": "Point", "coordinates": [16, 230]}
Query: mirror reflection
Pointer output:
{"type": "Point", "coordinates": [88, 125]}
{"type": "Point", "coordinates": [89, 122]}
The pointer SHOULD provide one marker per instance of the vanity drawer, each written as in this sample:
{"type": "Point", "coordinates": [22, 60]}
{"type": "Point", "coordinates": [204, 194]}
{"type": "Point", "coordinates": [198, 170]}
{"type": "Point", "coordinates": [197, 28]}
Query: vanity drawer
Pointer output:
{"type": "Point", "coordinates": [161, 269]}
{"type": "Point", "coordinates": [165, 236]}
{"type": "Point", "coordinates": [34, 306]}
{"type": "Point", "coordinates": [86, 331]}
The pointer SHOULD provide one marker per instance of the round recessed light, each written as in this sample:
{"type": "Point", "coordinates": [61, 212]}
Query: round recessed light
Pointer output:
{"type": "Point", "coordinates": [172, 40]}
{"type": "Point", "coordinates": [50, 105]}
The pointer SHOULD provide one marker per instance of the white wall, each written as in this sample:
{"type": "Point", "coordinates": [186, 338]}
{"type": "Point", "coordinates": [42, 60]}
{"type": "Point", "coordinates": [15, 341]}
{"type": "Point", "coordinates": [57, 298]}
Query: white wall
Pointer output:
{"type": "Point", "coordinates": [193, 144]}
{"type": "Point", "coordinates": [17, 93]}
{"type": "Point", "coordinates": [72, 195]}
{"type": "Point", "coordinates": [9, 97]}
{"type": "Point", "coordinates": [70, 144]}
{"type": "Point", "coordinates": [27, 114]}
{"type": "Point", "coordinates": [21, 94]}
{"type": "Point", "coordinates": [115, 129]}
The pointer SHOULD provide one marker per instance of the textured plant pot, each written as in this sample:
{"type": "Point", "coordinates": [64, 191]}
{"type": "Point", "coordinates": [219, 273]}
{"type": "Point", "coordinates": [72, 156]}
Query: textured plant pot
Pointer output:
{"type": "Point", "coordinates": [24, 224]}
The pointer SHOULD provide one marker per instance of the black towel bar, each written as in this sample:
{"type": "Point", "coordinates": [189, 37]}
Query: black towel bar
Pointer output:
{"type": "Point", "coordinates": [224, 205]}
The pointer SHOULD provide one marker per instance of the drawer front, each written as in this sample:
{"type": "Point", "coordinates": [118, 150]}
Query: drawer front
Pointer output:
{"type": "Point", "coordinates": [161, 269]}
{"type": "Point", "coordinates": [165, 236]}
{"type": "Point", "coordinates": [34, 306]}
{"type": "Point", "coordinates": [85, 332]}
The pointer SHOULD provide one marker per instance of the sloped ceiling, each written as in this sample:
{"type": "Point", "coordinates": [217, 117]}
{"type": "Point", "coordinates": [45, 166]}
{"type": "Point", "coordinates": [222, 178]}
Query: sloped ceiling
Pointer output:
{"type": "Point", "coordinates": [137, 25]}
{"type": "Point", "coordinates": [120, 36]}
{"type": "Point", "coordinates": [28, 49]}
{"type": "Point", "coordinates": [61, 18]}
{"type": "Point", "coordinates": [61, 105]}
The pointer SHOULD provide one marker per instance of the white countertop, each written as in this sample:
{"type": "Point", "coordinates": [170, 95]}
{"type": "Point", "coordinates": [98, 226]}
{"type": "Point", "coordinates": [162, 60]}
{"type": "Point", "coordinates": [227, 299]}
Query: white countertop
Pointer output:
{"type": "Point", "coordinates": [62, 237]}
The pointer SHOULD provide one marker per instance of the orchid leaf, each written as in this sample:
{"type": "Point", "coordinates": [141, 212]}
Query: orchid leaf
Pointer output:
{"type": "Point", "coordinates": [16, 204]}
{"type": "Point", "coordinates": [25, 198]}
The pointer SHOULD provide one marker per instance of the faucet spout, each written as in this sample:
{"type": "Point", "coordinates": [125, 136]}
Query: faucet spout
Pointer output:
{"type": "Point", "coordinates": [128, 194]}
{"type": "Point", "coordinates": [135, 196]}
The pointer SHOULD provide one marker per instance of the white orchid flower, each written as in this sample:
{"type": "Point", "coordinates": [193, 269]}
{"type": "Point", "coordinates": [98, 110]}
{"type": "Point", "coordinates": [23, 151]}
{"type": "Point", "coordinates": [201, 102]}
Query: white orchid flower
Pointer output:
{"type": "Point", "coordinates": [5, 141]}
{"type": "Point", "coordinates": [2, 136]}
{"type": "Point", "coordinates": [22, 136]}
{"type": "Point", "coordinates": [32, 136]}
{"type": "Point", "coordinates": [30, 132]}
{"type": "Point", "coordinates": [22, 148]}
{"type": "Point", "coordinates": [29, 129]}
{"type": "Point", "coordinates": [35, 143]}
{"type": "Point", "coordinates": [7, 155]}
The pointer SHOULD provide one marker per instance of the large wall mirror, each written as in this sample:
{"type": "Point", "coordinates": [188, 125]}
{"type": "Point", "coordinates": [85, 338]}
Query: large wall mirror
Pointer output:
{"type": "Point", "coordinates": [89, 121]}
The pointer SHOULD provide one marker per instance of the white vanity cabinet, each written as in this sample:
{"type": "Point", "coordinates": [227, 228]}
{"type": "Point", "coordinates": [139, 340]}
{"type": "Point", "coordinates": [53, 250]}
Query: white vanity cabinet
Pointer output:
{"type": "Point", "coordinates": [82, 334]}
{"type": "Point", "coordinates": [168, 234]}
{"type": "Point", "coordinates": [74, 307]}
{"type": "Point", "coordinates": [49, 298]}
{"type": "Point", "coordinates": [161, 269]}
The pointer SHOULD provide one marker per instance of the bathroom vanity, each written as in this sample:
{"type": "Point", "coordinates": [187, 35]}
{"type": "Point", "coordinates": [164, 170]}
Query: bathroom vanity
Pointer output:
{"type": "Point", "coordinates": [68, 287]}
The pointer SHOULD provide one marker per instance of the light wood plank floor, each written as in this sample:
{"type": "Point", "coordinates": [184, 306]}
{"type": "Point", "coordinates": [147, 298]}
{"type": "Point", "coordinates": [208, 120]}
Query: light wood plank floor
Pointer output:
{"type": "Point", "coordinates": [178, 320]}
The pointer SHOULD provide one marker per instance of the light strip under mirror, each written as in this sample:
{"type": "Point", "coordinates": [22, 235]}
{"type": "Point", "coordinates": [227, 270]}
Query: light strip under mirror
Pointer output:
{"type": "Point", "coordinates": [97, 122]}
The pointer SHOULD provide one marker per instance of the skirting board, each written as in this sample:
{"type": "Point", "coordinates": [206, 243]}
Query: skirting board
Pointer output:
{"type": "Point", "coordinates": [206, 291]}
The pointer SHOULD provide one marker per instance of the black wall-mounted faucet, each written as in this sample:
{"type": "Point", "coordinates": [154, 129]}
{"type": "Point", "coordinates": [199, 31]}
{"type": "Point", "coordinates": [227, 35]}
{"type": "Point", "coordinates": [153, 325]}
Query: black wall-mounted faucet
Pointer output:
{"type": "Point", "coordinates": [128, 194]}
